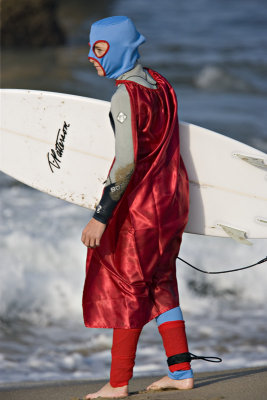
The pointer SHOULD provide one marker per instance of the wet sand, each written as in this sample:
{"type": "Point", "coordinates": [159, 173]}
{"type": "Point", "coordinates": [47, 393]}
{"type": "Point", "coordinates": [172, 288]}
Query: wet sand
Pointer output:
{"type": "Point", "coordinates": [239, 384]}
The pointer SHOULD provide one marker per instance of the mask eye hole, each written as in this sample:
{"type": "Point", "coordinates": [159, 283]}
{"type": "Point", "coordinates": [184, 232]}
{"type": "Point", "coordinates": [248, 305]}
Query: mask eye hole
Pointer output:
{"type": "Point", "coordinates": [100, 48]}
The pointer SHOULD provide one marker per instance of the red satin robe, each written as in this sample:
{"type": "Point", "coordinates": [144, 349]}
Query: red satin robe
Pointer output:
{"type": "Point", "coordinates": [131, 276]}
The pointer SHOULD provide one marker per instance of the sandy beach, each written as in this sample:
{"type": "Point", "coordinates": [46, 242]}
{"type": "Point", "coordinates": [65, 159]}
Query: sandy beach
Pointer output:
{"type": "Point", "coordinates": [239, 384]}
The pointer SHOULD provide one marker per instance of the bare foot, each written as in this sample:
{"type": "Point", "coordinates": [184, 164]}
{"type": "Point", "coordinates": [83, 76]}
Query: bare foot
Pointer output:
{"type": "Point", "coordinates": [109, 392]}
{"type": "Point", "coordinates": [168, 383]}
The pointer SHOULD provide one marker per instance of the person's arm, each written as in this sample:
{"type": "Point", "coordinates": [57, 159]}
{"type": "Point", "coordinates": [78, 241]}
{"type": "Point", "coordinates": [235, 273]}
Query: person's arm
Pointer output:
{"type": "Point", "coordinates": [121, 171]}
{"type": "Point", "coordinates": [123, 166]}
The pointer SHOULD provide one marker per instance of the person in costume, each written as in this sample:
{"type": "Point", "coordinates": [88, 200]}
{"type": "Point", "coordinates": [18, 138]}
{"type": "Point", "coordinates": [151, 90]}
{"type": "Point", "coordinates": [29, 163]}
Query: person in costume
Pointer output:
{"type": "Point", "coordinates": [136, 231]}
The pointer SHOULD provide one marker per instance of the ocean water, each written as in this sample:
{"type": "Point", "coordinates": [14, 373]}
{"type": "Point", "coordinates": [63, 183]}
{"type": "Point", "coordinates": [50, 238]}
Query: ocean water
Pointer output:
{"type": "Point", "coordinates": [214, 54]}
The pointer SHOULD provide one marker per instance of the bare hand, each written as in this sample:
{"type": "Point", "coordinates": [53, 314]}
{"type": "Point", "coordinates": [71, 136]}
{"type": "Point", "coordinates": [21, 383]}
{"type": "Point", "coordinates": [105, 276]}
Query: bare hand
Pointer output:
{"type": "Point", "coordinates": [92, 233]}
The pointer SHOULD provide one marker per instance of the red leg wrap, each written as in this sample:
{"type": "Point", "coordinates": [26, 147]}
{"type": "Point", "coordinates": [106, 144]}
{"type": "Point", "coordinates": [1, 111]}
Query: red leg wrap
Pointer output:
{"type": "Point", "coordinates": [175, 342]}
{"type": "Point", "coordinates": [123, 355]}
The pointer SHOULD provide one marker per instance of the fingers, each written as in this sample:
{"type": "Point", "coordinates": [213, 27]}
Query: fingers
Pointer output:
{"type": "Point", "coordinates": [90, 240]}
{"type": "Point", "coordinates": [92, 233]}
{"type": "Point", "coordinates": [92, 243]}
{"type": "Point", "coordinates": [83, 237]}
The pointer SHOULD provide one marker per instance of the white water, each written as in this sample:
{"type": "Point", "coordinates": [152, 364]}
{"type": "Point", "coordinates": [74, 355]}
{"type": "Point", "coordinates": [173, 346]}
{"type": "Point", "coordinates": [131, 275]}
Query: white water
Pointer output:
{"type": "Point", "coordinates": [41, 282]}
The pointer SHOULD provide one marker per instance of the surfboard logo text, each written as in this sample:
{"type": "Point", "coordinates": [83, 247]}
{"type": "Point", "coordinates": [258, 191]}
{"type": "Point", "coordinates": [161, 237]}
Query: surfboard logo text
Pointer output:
{"type": "Point", "coordinates": [55, 155]}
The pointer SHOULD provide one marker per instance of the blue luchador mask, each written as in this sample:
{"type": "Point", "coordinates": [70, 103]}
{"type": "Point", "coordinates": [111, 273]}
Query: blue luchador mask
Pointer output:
{"type": "Point", "coordinates": [123, 41]}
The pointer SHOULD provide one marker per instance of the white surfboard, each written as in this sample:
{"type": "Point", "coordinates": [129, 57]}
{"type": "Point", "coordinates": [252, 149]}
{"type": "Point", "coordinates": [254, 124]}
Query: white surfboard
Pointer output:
{"type": "Point", "coordinates": [63, 145]}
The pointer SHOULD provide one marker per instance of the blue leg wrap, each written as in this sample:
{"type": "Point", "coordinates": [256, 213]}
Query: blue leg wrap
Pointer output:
{"type": "Point", "coordinates": [175, 314]}
{"type": "Point", "coordinates": [177, 375]}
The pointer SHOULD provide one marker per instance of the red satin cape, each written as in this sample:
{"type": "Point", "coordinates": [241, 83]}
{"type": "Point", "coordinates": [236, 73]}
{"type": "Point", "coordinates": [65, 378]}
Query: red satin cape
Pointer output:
{"type": "Point", "coordinates": [131, 276]}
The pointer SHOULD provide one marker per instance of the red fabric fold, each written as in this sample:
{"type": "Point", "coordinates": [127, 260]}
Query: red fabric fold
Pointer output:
{"type": "Point", "coordinates": [131, 276]}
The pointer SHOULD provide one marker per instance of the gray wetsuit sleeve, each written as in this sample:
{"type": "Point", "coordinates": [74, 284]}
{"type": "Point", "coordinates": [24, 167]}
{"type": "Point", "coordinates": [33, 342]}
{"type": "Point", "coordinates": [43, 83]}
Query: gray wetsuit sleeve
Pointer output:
{"type": "Point", "coordinates": [123, 167]}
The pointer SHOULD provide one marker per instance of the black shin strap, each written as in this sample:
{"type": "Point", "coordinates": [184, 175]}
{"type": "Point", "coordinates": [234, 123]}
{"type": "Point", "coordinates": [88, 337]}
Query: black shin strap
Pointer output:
{"type": "Point", "coordinates": [179, 358]}
{"type": "Point", "coordinates": [187, 357]}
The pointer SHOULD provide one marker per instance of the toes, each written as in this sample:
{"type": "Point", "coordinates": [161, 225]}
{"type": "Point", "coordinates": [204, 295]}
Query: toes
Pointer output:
{"type": "Point", "coordinates": [152, 387]}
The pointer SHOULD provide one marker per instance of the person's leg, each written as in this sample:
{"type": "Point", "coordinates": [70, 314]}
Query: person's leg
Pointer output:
{"type": "Point", "coordinates": [123, 355]}
{"type": "Point", "coordinates": [122, 362]}
{"type": "Point", "coordinates": [172, 329]}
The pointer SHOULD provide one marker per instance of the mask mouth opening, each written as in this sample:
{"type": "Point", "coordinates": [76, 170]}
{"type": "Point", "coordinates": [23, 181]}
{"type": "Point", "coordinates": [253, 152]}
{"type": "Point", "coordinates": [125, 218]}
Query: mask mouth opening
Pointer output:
{"type": "Point", "coordinates": [107, 49]}
{"type": "Point", "coordinates": [98, 63]}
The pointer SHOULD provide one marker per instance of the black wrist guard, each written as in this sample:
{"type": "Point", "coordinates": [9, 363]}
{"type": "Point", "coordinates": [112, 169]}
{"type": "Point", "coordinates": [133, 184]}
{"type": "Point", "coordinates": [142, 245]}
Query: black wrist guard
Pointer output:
{"type": "Point", "coordinates": [107, 204]}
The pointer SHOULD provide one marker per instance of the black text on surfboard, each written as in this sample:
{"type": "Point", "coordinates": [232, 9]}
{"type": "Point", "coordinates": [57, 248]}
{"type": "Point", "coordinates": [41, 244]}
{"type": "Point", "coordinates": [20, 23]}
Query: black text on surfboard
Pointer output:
{"type": "Point", "coordinates": [55, 154]}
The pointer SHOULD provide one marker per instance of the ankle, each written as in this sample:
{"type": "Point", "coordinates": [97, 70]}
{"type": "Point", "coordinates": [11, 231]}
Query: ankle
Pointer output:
{"type": "Point", "coordinates": [115, 385]}
{"type": "Point", "coordinates": [187, 383]}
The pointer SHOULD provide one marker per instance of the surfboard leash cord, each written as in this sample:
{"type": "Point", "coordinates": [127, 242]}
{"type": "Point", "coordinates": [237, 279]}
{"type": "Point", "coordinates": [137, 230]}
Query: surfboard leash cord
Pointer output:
{"type": "Point", "coordinates": [224, 271]}
{"type": "Point", "coordinates": [188, 357]}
